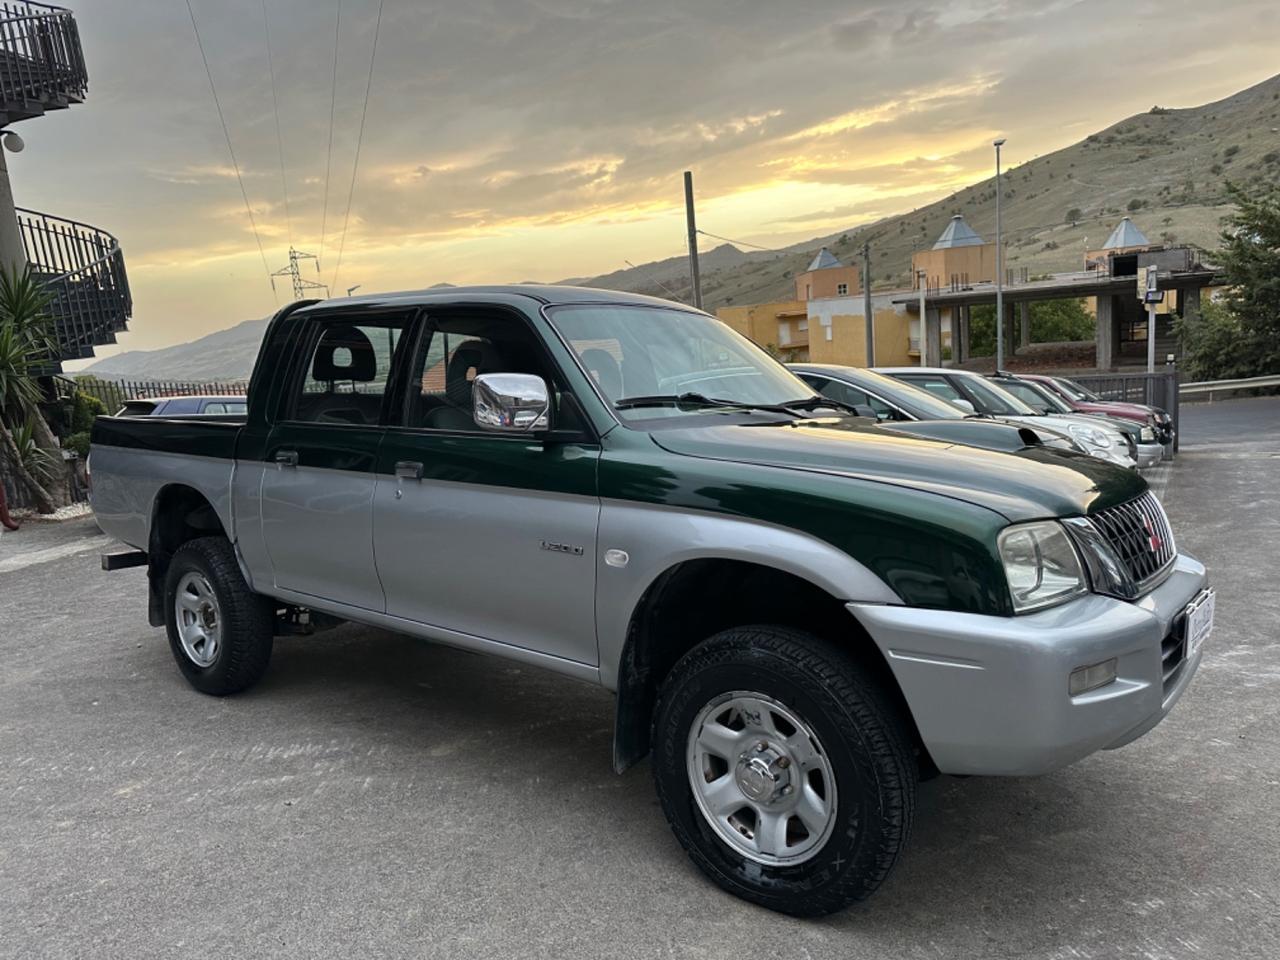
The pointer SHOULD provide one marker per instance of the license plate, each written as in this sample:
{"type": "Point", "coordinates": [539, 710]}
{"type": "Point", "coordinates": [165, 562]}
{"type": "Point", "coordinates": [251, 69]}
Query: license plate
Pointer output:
{"type": "Point", "coordinates": [1199, 622]}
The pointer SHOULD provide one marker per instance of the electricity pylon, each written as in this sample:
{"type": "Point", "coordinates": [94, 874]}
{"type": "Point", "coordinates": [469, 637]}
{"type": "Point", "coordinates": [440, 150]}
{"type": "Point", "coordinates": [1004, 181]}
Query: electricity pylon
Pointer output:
{"type": "Point", "coordinates": [300, 286]}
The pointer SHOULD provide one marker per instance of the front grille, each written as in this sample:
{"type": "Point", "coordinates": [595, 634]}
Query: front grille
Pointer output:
{"type": "Point", "coordinates": [1139, 533]}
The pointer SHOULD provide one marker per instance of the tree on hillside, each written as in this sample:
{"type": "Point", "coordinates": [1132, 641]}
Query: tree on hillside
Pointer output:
{"type": "Point", "coordinates": [26, 343]}
{"type": "Point", "coordinates": [1241, 336]}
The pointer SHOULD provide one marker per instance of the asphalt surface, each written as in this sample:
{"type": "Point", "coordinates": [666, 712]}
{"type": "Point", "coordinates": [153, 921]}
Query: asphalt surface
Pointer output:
{"type": "Point", "coordinates": [378, 797]}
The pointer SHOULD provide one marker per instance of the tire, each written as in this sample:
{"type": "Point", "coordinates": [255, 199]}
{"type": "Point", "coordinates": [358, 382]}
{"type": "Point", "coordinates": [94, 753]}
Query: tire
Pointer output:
{"type": "Point", "coordinates": [242, 624]}
{"type": "Point", "coordinates": [855, 736]}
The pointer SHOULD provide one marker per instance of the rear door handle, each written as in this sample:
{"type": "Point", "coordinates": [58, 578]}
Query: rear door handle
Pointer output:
{"type": "Point", "coordinates": [408, 470]}
{"type": "Point", "coordinates": [287, 458]}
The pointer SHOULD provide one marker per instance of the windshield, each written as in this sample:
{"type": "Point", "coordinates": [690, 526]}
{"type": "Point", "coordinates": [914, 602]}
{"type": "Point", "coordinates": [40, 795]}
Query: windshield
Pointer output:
{"type": "Point", "coordinates": [640, 355]}
{"type": "Point", "coordinates": [918, 402]}
{"type": "Point", "coordinates": [1033, 395]}
{"type": "Point", "coordinates": [996, 401]}
{"type": "Point", "coordinates": [1074, 390]}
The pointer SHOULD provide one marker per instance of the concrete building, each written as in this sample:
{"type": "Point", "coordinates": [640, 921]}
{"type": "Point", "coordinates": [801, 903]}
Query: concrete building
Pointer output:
{"type": "Point", "coordinates": [42, 68]}
{"type": "Point", "coordinates": [828, 277]}
{"type": "Point", "coordinates": [959, 258]}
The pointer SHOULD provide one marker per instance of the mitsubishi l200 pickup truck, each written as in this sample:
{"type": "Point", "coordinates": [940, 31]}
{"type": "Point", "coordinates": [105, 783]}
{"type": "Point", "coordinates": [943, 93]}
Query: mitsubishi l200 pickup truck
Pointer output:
{"type": "Point", "coordinates": [802, 612]}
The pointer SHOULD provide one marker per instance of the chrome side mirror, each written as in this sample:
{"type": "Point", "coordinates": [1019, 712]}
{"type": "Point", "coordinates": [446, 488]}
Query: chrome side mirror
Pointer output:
{"type": "Point", "coordinates": [510, 402]}
{"type": "Point", "coordinates": [964, 405]}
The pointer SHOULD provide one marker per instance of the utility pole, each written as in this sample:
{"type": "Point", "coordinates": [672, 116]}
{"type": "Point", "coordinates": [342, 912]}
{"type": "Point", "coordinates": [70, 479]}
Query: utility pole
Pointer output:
{"type": "Point", "coordinates": [300, 286]}
{"type": "Point", "coordinates": [868, 319]}
{"type": "Point", "coordinates": [999, 267]}
{"type": "Point", "coordinates": [693, 239]}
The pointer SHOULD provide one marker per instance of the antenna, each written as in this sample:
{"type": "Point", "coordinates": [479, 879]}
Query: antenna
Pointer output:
{"type": "Point", "coordinates": [300, 286]}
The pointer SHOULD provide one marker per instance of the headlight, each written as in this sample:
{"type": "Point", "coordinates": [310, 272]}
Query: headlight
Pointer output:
{"type": "Point", "coordinates": [1090, 436]}
{"type": "Point", "coordinates": [1040, 564]}
{"type": "Point", "coordinates": [1148, 435]}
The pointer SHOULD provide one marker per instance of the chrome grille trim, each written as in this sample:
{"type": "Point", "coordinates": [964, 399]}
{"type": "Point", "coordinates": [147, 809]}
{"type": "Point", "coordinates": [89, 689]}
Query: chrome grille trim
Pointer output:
{"type": "Point", "coordinates": [1128, 528]}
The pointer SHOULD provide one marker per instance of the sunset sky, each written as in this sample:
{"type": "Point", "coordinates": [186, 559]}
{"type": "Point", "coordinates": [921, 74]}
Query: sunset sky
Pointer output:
{"type": "Point", "coordinates": [546, 139]}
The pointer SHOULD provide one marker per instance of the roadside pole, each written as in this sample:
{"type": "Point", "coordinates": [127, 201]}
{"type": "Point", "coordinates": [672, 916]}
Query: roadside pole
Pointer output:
{"type": "Point", "coordinates": [694, 278]}
{"type": "Point", "coordinates": [868, 320]}
{"type": "Point", "coordinates": [922, 279]}
{"type": "Point", "coordinates": [1149, 293]}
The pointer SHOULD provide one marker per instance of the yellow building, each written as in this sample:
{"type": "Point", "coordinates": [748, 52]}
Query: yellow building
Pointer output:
{"type": "Point", "coordinates": [828, 277]}
{"type": "Point", "coordinates": [830, 330]}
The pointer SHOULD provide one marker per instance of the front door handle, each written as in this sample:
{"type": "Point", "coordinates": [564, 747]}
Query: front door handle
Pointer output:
{"type": "Point", "coordinates": [408, 470]}
{"type": "Point", "coordinates": [287, 458]}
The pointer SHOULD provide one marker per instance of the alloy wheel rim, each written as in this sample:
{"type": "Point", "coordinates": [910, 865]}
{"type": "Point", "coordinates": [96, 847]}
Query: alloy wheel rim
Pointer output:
{"type": "Point", "coordinates": [199, 619]}
{"type": "Point", "coordinates": [761, 778]}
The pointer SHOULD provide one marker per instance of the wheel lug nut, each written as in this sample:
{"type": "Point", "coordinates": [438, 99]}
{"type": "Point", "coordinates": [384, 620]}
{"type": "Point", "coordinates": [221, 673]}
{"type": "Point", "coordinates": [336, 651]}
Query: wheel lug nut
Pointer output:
{"type": "Point", "coordinates": [761, 747]}
{"type": "Point", "coordinates": [786, 790]}
{"type": "Point", "coordinates": [783, 763]}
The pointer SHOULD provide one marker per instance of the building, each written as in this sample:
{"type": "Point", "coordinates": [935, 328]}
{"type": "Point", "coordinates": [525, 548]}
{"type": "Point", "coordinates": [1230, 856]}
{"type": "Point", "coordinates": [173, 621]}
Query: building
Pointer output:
{"type": "Point", "coordinates": [42, 68]}
{"type": "Point", "coordinates": [825, 330]}
{"type": "Point", "coordinates": [959, 258]}
{"type": "Point", "coordinates": [828, 277]}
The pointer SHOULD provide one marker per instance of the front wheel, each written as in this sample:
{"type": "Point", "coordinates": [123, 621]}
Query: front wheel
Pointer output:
{"type": "Point", "coordinates": [785, 773]}
{"type": "Point", "coordinates": [219, 630]}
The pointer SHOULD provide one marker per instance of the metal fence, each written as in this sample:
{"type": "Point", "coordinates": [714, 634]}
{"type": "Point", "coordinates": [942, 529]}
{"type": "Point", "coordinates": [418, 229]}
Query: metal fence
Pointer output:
{"type": "Point", "coordinates": [114, 393]}
{"type": "Point", "coordinates": [1153, 389]}
{"type": "Point", "coordinates": [41, 60]}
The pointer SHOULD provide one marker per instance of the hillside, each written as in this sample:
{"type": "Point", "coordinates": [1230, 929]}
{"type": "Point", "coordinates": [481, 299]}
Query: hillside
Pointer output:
{"type": "Point", "coordinates": [224, 355]}
{"type": "Point", "coordinates": [1166, 169]}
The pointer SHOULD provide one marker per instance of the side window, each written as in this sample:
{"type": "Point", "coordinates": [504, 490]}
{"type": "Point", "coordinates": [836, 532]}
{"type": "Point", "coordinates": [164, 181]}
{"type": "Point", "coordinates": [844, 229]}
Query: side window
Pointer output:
{"type": "Point", "coordinates": [347, 369]}
{"type": "Point", "coordinates": [214, 406]}
{"type": "Point", "coordinates": [455, 349]}
{"type": "Point", "coordinates": [938, 386]}
{"type": "Point", "coordinates": [1027, 395]}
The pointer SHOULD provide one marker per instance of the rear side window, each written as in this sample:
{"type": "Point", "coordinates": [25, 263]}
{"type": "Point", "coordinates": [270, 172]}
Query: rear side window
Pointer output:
{"type": "Point", "coordinates": [346, 372]}
{"type": "Point", "coordinates": [938, 386]}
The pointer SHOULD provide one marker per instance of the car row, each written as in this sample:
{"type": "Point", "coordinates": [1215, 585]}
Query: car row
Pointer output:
{"type": "Point", "coordinates": [1130, 435]}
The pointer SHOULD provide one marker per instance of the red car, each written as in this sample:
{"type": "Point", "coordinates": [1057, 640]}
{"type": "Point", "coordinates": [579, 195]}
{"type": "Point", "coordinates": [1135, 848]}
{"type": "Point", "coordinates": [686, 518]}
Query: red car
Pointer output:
{"type": "Point", "coordinates": [1086, 401]}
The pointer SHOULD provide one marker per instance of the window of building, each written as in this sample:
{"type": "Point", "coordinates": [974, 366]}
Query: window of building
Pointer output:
{"type": "Point", "coordinates": [842, 289]}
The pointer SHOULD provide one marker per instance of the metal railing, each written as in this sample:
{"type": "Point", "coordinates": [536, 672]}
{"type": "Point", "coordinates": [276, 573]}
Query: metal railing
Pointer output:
{"type": "Point", "coordinates": [1152, 389]}
{"type": "Point", "coordinates": [1210, 387]}
{"type": "Point", "coordinates": [83, 268]}
{"type": "Point", "coordinates": [41, 60]}
{"type": "Point", "coordinates": [114, 393]}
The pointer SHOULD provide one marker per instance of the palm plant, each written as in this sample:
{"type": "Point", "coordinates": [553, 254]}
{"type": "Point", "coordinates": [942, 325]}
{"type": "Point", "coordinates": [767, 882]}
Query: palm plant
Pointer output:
{"type": "Point", "coordinates": [26, 344]}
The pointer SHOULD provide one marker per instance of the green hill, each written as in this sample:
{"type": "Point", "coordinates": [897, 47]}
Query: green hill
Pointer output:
{"type": "Point", "coordinates": [1165, 168]}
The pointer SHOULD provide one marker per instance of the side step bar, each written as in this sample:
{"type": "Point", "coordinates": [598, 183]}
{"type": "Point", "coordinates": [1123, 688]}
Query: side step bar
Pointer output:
{"type": "Point", "coordinates": [123, 559]}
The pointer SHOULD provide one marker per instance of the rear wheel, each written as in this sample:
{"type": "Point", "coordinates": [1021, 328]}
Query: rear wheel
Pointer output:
{"type": "Point", "coordinates": [219, 630]}
{"type": "Point", "coordinates": [784, 772]}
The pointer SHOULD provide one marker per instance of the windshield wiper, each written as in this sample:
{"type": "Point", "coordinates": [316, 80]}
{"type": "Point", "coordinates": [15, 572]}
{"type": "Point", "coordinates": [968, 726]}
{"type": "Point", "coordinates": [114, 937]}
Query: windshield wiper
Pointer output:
{"type": "Point", "coordinates": [815, 403]}
{"type": "Point", "coordinates": [696, 400]}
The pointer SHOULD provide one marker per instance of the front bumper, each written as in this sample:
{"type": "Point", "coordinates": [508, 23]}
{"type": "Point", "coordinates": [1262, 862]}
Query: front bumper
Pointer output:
{"type": "Point", "coordinates": [1149, 454]}
{"type": "Point", "coordinates": [989, 694]}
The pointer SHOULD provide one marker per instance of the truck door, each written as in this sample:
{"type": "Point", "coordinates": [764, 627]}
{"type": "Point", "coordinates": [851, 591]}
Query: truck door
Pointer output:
{"type": "Point", "coordinates": [318, 474]}
{"type": "Point", "coordinates": [478, 533]}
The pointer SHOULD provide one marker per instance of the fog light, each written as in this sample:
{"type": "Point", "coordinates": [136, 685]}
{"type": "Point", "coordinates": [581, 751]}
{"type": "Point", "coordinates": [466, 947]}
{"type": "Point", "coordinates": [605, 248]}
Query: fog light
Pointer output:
{"type": "Point", "coordinates": [1093, 677]}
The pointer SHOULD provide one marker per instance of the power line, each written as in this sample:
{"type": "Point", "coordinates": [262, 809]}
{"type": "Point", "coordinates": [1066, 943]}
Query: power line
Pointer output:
{"type": "Point", "coordinates": [373, 56]}
{"type": "Point", "coordinates": [743, 243]}
{"type": "Point", "coordinates": [674, 295]}
{"type": "Point", "coordinates": [328, 163]}
{"type": "Point", "coordinates": [230, 150]}
{"type": "Point", "coordinates": [275, 107]}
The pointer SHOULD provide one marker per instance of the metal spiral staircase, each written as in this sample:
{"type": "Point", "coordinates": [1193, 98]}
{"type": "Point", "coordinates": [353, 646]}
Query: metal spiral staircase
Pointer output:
{"type": "Point", "coordinates": [42, 68]}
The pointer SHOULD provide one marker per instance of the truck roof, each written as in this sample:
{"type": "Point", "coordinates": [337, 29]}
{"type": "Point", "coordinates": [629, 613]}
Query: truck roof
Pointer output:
{"type": "Point", "coordinates": [543, 293]}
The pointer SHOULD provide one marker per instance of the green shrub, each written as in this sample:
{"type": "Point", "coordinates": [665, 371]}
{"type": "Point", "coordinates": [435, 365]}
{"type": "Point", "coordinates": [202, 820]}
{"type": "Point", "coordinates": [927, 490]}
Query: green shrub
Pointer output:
{"type": "Point", "coordinates": [78, 442]}
{"type": "Point", "coordinates": [83, 409]}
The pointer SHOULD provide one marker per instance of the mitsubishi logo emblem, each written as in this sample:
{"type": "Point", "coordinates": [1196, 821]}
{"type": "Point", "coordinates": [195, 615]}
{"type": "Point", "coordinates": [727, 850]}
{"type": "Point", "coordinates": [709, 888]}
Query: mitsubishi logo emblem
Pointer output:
{"type": "Point", "coordinates": [1154, 541]}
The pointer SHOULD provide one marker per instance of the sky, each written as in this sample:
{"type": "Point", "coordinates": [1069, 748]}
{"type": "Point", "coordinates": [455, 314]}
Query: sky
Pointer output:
{"type": "Point", "coordinates": [540, 140]}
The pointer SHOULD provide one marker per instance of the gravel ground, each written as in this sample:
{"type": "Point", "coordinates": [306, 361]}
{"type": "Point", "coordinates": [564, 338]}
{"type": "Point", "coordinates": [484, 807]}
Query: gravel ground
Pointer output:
{"type": "Point", "coordinates": [375, 796]}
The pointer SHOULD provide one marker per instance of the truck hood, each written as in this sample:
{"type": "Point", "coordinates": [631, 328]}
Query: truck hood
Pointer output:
{"type": "Point", "coordinates": [1034, 482]}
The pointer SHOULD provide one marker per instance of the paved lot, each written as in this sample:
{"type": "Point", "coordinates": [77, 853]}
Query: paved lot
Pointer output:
{"type": "Point", "coordinates": [380, 797]}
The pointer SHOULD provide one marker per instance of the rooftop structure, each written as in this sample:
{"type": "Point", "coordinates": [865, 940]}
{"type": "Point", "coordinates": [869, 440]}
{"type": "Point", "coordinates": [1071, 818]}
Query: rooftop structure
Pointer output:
{"type": "Point", "coordinates": [958, 234]}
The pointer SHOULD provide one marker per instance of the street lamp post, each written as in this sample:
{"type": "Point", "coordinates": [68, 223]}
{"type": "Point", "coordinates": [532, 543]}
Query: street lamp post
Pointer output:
{"type": "Point", "coordinates": [999, 267]}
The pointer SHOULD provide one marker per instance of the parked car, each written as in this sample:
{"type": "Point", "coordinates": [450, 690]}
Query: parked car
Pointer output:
{"type": "Point", "coordinates": [801, 614]}
{"type": "Point", "coordinates": [179, 406]}
{"type": "Point", "coordinates": [1035, 395]}
{"type": "Point", "coordinates": [1084, 400]}
{"type": "Point", "coordinates": [919, 413]}
{"type": "Point", "coordinates": [973, 392]}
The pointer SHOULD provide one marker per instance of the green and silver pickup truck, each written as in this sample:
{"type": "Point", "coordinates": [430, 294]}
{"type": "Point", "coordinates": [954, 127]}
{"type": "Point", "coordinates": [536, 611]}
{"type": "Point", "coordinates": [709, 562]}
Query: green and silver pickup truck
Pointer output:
{"type": "Point", "coordinates": [802, 613]}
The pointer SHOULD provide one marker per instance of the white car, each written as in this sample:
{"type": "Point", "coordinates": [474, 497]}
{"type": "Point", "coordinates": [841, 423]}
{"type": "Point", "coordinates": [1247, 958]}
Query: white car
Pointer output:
{"type": "Point", "coordinates": [974, 393]}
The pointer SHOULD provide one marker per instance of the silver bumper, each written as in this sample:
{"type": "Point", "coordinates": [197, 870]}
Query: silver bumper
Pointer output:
{"type": "Point", "coordinates": [989, 694]}
{"type": "Point", "coordinates": [1149, 454]}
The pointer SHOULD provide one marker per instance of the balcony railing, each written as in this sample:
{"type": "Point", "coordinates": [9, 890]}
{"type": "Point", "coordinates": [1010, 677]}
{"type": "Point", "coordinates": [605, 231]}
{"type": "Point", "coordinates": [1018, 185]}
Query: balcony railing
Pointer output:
{"type": "Point", "coordinates": [83, 269]}
{"type": "Point", "coordinates": [41, 62]}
